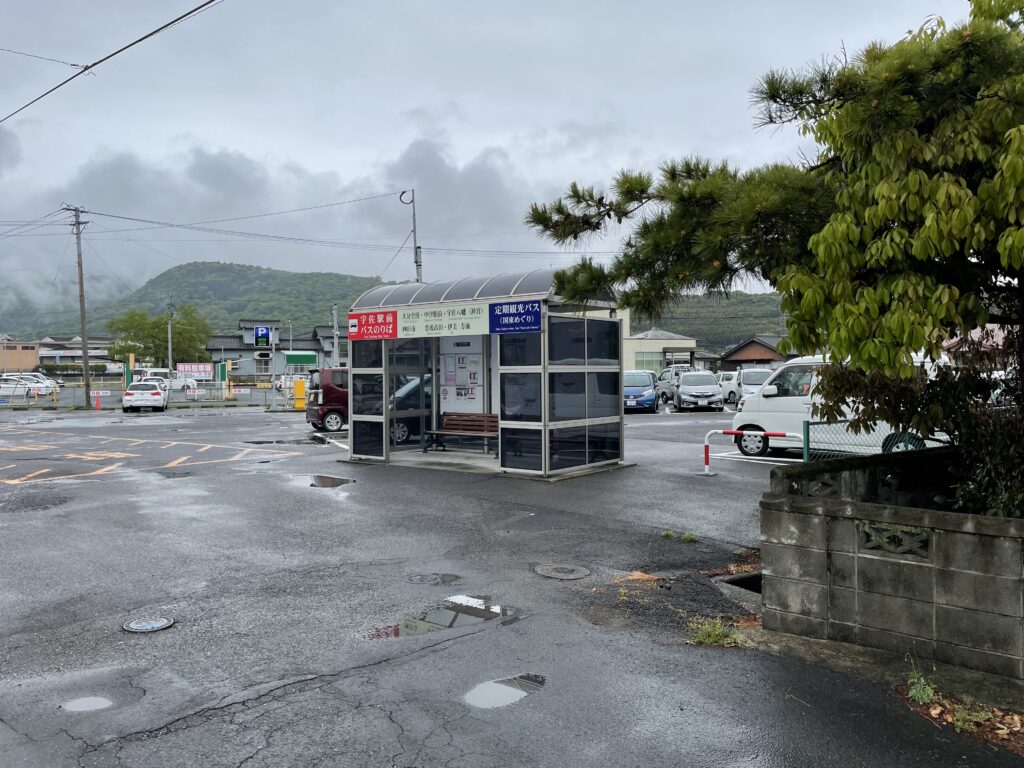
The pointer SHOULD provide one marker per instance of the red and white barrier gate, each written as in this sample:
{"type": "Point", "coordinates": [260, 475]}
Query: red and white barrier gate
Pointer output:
{"type": "Point", "coordinates": [737, 433]}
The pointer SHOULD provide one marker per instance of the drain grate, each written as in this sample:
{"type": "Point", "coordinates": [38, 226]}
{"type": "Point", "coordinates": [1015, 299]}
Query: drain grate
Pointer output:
{"type": "Point", "coordinates": [564, 571]}
{"type": "Point", "coordinates": [433, 578]}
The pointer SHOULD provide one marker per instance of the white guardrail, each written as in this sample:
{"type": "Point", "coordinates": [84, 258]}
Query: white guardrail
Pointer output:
{"type": "Point", "coordinates": [737, 433]}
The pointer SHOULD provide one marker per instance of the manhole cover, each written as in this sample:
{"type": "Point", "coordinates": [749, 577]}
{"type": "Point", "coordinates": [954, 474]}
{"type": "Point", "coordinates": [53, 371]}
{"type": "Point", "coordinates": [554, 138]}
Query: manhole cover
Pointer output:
{"type": "Point", "coordinates": [433, 578]}
{"type": "Point", "coordinates": [147, 625]}
{"type": "Point", "coordinates": [562, 571]}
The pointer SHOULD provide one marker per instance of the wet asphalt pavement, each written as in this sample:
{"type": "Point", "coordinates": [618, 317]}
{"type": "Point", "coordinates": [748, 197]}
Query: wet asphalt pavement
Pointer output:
{"type": "Point", "coordinates": [309, 629]}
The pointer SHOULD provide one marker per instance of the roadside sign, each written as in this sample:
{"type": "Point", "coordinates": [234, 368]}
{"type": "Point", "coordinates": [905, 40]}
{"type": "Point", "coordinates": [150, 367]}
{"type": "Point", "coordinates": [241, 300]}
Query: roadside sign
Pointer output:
{"type": "Point", "coordinates": [261, 335]}
{"type": "Point", "coordinates": [101, 392]}
{"type": "Point", "coordinates": [239, 391]}
{"type": "Point", "coordinates": [515, 317]}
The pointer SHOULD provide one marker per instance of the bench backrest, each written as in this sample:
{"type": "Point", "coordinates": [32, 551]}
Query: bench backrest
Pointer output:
{"type": "Point", "coordinates": [469, 422]}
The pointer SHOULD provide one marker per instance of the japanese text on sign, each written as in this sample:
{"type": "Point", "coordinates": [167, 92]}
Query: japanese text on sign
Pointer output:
{"type": "Point", "coordinates": [515, 317]}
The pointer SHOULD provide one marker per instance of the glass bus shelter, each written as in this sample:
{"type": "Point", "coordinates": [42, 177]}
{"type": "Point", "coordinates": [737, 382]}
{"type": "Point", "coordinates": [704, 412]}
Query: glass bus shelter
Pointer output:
{"type": "Point", "coordinates": [504, 345]}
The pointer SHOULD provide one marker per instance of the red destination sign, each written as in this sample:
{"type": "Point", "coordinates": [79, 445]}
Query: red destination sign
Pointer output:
{"type": "Point", "coordinates": [369, 326]}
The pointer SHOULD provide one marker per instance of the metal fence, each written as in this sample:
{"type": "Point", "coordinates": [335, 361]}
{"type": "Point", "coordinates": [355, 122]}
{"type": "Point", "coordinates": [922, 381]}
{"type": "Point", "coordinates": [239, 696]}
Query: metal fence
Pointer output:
{"type": "Point", "coordinates": [108, 396]}
{"type": "Point", "coordinates": [825, 440]}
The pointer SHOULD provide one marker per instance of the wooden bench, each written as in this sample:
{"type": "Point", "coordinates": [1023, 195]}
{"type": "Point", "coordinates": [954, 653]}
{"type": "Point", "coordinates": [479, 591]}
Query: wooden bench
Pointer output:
{"type": "Point", "coordinates": [462, 425]}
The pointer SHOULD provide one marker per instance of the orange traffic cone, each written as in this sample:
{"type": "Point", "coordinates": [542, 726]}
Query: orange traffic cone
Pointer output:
{"type": "Point", "coordinates": [97, 401]}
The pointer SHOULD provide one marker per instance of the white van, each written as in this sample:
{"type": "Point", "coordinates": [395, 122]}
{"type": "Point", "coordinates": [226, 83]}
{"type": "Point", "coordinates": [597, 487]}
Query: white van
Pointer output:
{"type": "Point", "coordinates": [784, 403]}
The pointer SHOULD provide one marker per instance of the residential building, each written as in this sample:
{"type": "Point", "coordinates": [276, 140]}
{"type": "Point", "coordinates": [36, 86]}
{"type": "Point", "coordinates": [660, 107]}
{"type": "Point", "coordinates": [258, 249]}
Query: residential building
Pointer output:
{"type": "Point", "coordinates": [17, 355]}
{"type": "Point", "coordinates": [756, 352]}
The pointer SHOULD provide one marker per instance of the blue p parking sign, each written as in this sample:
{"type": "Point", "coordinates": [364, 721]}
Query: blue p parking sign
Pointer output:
{"type": "Point", "coordinates": [261, 335]}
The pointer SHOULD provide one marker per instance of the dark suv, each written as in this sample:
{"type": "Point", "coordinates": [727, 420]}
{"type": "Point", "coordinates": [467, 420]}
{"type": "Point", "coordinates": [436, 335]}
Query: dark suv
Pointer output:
{"type": "Point", "coordinates": [327, 403]}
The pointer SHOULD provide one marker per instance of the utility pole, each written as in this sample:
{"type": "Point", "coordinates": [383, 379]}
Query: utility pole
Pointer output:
{"type": "Point", "coordinates": [417, 254]}
{"type": "Point", "coordinates": [170, 340]}
{"type": "Point", "coordinates": [86, 377]}
{"type": "Point", "coordinates": [334, 321]}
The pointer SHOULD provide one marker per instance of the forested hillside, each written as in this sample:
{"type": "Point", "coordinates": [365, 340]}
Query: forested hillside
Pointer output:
{"type": "Point", "coordinates": [719, 323]}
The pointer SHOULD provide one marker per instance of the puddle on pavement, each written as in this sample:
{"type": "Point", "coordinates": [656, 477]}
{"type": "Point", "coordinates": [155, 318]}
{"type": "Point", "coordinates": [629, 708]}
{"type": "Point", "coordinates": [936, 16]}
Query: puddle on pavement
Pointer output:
{"type": "Point", "coordinates": [454, 613]}
{"type": "Point", "coordinates": [328, 481]}
{"type": "Point", "coordinates": [501, 693]}
{"type": "Point", "coordinates": [433, 578]}
{"type": "Point", "coordinates": [87, 704]}
{"type": "Point", "coordinates": [748, 581]}
{"type": "Point", "coordinates": [172, 474]}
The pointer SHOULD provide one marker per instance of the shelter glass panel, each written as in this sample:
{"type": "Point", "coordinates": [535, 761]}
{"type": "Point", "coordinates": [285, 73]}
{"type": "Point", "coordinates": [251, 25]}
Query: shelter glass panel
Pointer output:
{"type": "Point", "coordinates": [501, 285]}
{"type": "Point", "coordinates": [403, 294]}
{"type": "Point", "coordinates": [602, 342]}
{"type": "Point", "coordinates": [520, 397]}
{"type": "Point", "coordinates": [567, 396]}
{"type": "Point", "coordinates": [535, 282]}
{"type": "Point", "coordinates": [368, 438]}
{"type": "Point", "coordinates": [604, 395]}
{"type": "Point", "coordinates": [373, 297]}
{"type": "Point", "coordinates": [567, 447]}
{"type": "Point", "coordinates": [465, 289]}
{"type": "Point", "coordinates": [520, 349]}
{"type": "Point", "coordinates": [522, 449]}
{"type": "Point", "coordinates": [367, 394]}
{"type": "Point", "coordinates": [604, 442]}
{"type": "Point", "coordinates": [367, 354]}
{"type": "Point", "coordinates": [566, 341]}
{"type": "Point", "coordinates": [432, 292]}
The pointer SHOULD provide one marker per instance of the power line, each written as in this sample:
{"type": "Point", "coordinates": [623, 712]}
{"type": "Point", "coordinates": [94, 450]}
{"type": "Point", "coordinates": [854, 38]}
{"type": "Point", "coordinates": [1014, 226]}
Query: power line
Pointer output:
{"type": "Point", "coordinates": [44, 58]}
{"type": "Point", "coordinates": [392, 261]}
{"type": "Point", "coordinates": [90, 67]}
{"type": "Point", "coordinates": [30, 225]}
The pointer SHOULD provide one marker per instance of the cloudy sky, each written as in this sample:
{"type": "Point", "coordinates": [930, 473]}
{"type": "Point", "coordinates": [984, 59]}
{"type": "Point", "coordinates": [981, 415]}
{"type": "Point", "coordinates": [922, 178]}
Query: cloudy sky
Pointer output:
{"type": "Point", "coordinates": [257, 106]}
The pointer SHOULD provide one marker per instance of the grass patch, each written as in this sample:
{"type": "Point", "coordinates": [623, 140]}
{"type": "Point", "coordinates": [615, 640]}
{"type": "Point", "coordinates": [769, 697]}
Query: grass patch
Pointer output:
{"type": "Point", "coordinates": [668, 535]}
{"type": "Point", "coordinates": [692, 538]}
{"type": "Point", "coordinates": [712, 632]}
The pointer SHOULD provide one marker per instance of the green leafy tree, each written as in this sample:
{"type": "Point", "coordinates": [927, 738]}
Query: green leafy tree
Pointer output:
{"type": "Point", "coordinates": [137, 332]}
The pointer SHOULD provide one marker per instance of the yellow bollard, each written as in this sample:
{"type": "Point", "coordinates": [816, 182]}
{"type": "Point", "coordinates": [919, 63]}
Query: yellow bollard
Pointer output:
{"type": "Point", "coordinates": [300, 395]}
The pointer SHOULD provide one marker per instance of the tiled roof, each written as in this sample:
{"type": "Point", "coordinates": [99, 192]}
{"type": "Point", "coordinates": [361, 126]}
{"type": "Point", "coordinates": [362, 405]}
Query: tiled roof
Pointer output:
{"type": "Point", "coordinates": [660, 335]}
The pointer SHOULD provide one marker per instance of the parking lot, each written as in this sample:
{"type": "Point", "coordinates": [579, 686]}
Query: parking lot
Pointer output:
{"type": "Point", "coordinates": [341, 614]}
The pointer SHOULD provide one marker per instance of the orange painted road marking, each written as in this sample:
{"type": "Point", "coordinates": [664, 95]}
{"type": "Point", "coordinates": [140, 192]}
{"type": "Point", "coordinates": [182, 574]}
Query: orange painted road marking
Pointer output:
{"type": "Point", "coordinates": [31, 447]}
{"type": "Point", "coordinates": [26, 478]}
{"type": "Point", "coordinates": [176, 462]}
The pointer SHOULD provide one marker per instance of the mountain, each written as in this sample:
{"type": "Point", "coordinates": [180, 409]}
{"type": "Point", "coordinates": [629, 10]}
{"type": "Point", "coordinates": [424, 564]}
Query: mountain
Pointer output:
{"type": "Point", "coordinates": [718, 323]}
{"type": "Point", "coordinates": [223, 294]}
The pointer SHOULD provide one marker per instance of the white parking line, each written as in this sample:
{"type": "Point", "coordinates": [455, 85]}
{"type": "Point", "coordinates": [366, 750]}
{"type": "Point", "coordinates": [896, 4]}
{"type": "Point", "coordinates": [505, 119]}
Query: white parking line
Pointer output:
{"type": "Point", "coordinates": [337, 444]}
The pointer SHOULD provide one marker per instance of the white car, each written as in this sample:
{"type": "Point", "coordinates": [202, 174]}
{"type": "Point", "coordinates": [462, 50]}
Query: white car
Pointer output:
{"type": "Point", "coordinates": [160, 381]}
{"type": "Point", "coordinates": [12, 386]}
{"type": "Point", "coordinates": [749, 380]}
{"type": "Point", "coordinates": [784, 402]}
{"type": "Point", "coordinates": [144, 394]}
{"type": "Point", "coordinates": [29, 384]}
{"type": "Point", "coordinates": [48, 385]}
{"type": "Point", "coordinates": [727, 380]}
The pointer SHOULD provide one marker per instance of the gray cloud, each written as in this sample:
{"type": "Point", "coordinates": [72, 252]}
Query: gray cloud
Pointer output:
{"type": "Point", "coordinates": [10, 150]}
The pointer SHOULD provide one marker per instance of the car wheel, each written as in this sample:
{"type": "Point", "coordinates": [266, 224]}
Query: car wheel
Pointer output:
{"type": "Point", "coordinates": [399, 432]}
{"type": "Point", "coordinates": [731, 398]}
{"type": "Point", "coordinates": [123, 409]}
{"type": "Point", "coordinates": [333, 422]}
{"type": "Point", "coordinates": [664, 397]}
{"type": "Point", "coordinates": [752, 445]}
{"type": "Point", "coordinates": [720, 408]}
{"type": "Point", "coordinates": [898, 442]}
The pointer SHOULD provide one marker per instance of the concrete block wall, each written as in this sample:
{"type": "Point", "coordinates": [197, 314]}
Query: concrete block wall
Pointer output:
{"type": "Point", "coordinates": [941, 585]}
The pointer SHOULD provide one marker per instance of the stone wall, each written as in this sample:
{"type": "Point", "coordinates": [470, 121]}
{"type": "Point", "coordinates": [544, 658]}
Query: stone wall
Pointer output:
{"type": "Point", "coordinates": [934, 583]}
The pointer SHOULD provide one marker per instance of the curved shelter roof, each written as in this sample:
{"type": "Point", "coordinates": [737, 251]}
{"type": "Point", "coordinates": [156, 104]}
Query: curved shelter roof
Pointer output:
{"type": "Point", "coordinates": [538, 283]}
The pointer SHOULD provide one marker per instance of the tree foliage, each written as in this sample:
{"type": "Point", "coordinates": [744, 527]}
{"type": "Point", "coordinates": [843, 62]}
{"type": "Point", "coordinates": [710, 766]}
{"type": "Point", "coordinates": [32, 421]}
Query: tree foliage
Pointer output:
{"type": "Point", "coordinates": [698, 227]}
{"type": "Point", "coordinates": [923, 143]}
{"type": "Point", "coordinates": [137, 332]}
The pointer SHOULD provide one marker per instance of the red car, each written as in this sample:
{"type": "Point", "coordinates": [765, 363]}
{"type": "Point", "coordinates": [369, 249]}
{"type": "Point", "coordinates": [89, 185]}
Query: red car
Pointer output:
{"type": "Point", "coordinates": [327, 402]}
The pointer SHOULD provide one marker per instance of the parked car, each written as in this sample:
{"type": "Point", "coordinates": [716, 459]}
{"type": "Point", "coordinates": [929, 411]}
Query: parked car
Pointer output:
{"type": "Point", "coordinates": [730, 387]}
{"type": "Point", "coordinates": [144, 395]}
{"type": "Point", "coordinates": [639, 391]}
{"type": "Point", "coordinates": [34, 383]}
{"type": "Point", "coordinates": [749, 380]}
{"type": "Point", "coordinates": [408, 398]}
{"type": "Point", "coordinates": [784, 402]}
{"type": "Point", "coordinates": [49, 385]}
{"type": "Point", "coordinates": [327, 401]}
{"type": "Point", "coordinates": [160, 381]}
{"type": "Point", "coordinates": [12, 386]}
{"type": "Point", "coordinates": [667, 381]}
{"type": "Point", "coordinates": [698, 389]}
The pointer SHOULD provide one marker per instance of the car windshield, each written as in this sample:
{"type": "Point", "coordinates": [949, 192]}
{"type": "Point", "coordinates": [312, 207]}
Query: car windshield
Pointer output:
{"type": "Point", "coordinates": [756, 377]}
{"type": "Point", "coordinates": [636, 380]}
{"type": "Point", "coordinates": [141, 388]}
{"type": "Point", "coordinates": [698, 380]}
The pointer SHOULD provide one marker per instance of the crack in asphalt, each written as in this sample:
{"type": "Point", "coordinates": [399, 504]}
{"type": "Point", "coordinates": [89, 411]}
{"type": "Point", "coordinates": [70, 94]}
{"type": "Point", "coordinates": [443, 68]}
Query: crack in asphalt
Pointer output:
{"type": "Point", "coordinates": [232, 706]}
